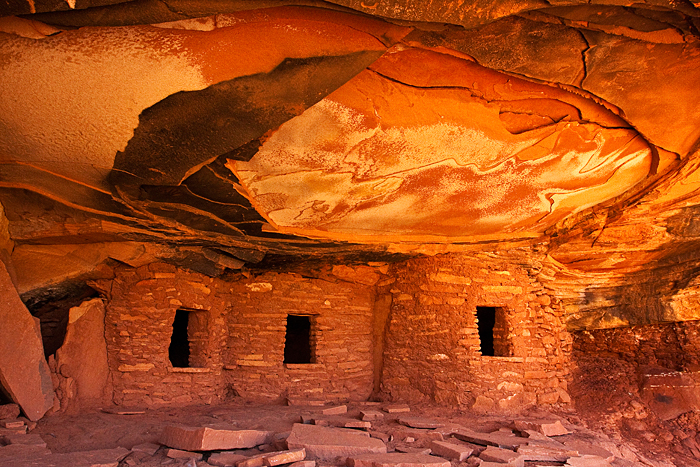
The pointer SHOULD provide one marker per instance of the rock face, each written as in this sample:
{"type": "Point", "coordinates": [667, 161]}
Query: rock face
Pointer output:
{"type": "Point", "coordinates": [333, 128]}
{"type": "Point", "coordinates": [24, 373]}
{"type": "Point", "coordinates": [669, 393]}
{"type": "Point", "coordinates": [82, 359]}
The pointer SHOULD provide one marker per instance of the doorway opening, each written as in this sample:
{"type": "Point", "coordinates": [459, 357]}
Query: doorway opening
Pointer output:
{"type": "Point", "coordinates": [297, 344]}
{"type": "Point", "coordinates": [493, 331]}
{"type": "Point", "coordinates": [188, 343]}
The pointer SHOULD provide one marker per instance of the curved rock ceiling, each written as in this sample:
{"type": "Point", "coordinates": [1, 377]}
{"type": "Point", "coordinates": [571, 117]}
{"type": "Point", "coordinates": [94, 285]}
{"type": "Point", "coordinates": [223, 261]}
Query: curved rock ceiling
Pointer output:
{"type": "Point", "coordinates": [289, 127]}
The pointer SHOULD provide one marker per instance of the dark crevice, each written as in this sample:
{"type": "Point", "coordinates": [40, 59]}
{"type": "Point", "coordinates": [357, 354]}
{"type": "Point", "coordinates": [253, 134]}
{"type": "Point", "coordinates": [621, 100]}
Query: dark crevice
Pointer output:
{"type": "Point", "coordinates": [52, 306]}
{"type": "Point", "coordinates": [584, 58]}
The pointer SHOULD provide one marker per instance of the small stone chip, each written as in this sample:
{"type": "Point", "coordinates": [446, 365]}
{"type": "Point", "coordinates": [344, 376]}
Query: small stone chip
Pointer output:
{"type": "Point", "coordinates": [148, 448]}
{"type": "Point", "coordinates": [11, 424]}
{"type": "Point", "coordinates": [419, 422]}
{"type": "Point", "coordinates": [371, 415]}
{"type": "Point", "coordinates": [225, 459]}
{"type": "Point", "coordinates": [358, 424]}
{"type": "Point", "coordinates": [303, 464]}
{"type": "Point", "coordinates": [399, 408]}
{"type": "Point", "coordinates": [284, 457]}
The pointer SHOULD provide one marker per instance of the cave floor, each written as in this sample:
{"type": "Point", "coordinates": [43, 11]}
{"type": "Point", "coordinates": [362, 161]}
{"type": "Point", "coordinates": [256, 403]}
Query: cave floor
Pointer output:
{"type": "Point", "coordinates": [102, 429]}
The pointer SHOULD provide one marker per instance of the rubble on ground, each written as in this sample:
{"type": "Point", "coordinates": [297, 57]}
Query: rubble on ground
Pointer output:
{"type": "Point", "coordinates": [514, 441]}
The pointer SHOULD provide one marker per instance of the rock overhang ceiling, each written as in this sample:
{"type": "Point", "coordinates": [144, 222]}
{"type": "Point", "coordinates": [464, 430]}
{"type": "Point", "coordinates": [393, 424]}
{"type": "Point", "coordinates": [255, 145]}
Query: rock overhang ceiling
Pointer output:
{"type": "Point", "coordinates": [306, 128]}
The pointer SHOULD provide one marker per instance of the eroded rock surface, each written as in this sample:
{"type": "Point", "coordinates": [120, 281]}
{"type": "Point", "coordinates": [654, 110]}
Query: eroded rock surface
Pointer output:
{"type": "Point", "coordinates": [24, 373]}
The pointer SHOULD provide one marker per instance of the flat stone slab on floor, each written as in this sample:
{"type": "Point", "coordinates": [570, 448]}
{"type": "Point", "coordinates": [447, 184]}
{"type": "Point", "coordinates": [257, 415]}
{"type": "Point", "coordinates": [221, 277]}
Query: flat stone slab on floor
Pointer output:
{"type": "Point", "coordinates": [306, 402]}
{"type": "Point", "coordinates": [336, 410]}
{"type": "Point", "coordinates": [268, 459]}
{"type": "Point", "coordinates": [497, 439]}
{"type": "Point", "coordinates": [504, 456]}
{"type": "Point", "coordinates": [340, 422]}
{"type": "Point", "coordinates": [397, 459]}
{"type": "Point", "coordinates": [180, 454]}
{"type": "Point", "coordinates": [547, 428]}
{"type": "Point", "coordinates": [284, 457]}
{"type": "Point", "coordinates": [31, 439]}
{"type": "Point", "coordinates": [585, 449]}
{"type": "Point", "coordinates": [587, 461]}
{"type": "Point", "coordinates": [303, 464]}
{"type": "Point", "coordinates": [545, 454]}
{"type": "Point", "coordinates": [420, 422]}
{"type": "Point", "coordinates": [39, 457]}
{"type": "Point", "coordinates": [369, 415]}
{"type": "Point", "coordinates": [328, 443]}
{"type": "Point", "coordinates": [225, 459]}
{"type": "Point", "coordinates": [458, 452]}
{"type": "Point", "coordinates": [212, 439]}
{"type": "Point", "coordinates": [148, 448]}
{"type": "Point", "coordinates": [397, 408]}
{"type": "Point", "coordinates": [412, 450]}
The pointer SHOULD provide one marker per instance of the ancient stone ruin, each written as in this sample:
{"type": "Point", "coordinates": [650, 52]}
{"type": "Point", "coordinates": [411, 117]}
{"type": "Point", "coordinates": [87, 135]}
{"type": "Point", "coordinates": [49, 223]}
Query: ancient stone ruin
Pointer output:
{"type": "Point", "coordinates": [382, 233]}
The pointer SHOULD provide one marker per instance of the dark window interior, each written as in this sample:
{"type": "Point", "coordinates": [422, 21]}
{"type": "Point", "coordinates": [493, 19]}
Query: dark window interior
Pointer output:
{"type": "Point", "coordinates": [179, 350]}
{"type": "Point", "coordinates": [297, 345]}
{"type": "Point", "coordinates": [486, 316]}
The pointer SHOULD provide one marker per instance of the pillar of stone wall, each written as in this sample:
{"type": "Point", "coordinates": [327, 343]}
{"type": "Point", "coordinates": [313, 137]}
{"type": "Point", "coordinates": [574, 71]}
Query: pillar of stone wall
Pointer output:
{"type": "Point", "coordinates": [341, 315]}
{"type": "Point", "coordinates": [433, 349]}
{"type": "Point", "coordinates": [80, 365]}
{"type": "Point", "coordinates": [139, 325]}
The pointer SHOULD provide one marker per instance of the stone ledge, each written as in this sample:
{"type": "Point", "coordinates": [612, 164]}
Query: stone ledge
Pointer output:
{"type": "Point", "coordinates": [488, 359]}
{"type": "Point", "coordinates": [189, 370]}
{"type": "Point", "coordinates": [304, 366]}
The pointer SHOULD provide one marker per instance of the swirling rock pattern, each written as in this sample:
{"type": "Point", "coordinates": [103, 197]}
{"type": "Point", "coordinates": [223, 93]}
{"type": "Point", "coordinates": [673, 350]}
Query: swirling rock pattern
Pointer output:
{"type": "Point", "coordinates": [214, 134]}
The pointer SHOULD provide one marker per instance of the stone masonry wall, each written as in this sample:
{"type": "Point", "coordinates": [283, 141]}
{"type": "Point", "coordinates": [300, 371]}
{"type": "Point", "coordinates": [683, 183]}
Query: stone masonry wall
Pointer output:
{"type": "Point", "coordinates": [138, 327]}
{"type": "Point", "coordinates": [670, 345]}
{"type": "Point", "coordinates": [242, 350]}
{"type": "Point", "coordinates": [341, 335]}
{"type": "Point", "coordinates": [432, 342]}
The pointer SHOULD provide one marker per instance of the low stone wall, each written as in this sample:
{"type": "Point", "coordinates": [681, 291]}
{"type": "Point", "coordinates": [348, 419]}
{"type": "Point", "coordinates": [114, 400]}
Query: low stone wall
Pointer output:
{"type": "Point", "coordinates": [670, 345]}
{"type": "Point", "coordinates": [238, 346]}
{"type": "Point", "coordinates": [409, 331]}
{"type": "Point", "coordinates": [432, 341]}
{"type": "Point", "coordinates": [138, 327]}
{"type": "Point", "coordinates": [341, 335]}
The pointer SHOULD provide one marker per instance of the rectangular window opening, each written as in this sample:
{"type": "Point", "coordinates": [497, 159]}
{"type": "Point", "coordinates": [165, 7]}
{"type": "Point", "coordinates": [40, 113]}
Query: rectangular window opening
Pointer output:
{"type": "Point", "coordinates": [297, 343]}
{"type": "Point", "coordinates": [493, 331]}
{"type": "Point", "coordinates": [188, 343]}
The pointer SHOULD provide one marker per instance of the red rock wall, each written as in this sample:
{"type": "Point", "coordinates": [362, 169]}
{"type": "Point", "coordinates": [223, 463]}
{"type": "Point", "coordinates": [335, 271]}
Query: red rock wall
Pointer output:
{"type": "Point", "coordinates": [432, 342]}
{"type": "Point", "coordinates": [670, 345]}
{"type": "Point", "coordinates": [341, 333]}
